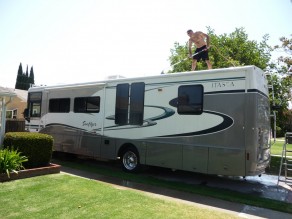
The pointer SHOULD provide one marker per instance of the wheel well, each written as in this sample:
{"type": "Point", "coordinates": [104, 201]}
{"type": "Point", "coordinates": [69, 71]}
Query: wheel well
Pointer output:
{"type": "Point", "coordinates": [124, 147]}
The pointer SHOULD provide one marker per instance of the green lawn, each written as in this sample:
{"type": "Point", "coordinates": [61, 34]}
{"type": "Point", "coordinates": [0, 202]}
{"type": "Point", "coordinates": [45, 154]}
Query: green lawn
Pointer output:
{"type": "Point", "coordinates": [65, 196]}
{"type": "Point", "coordinates": [277, 148]}
{"type": "Point", "coordinates": [276, 151]}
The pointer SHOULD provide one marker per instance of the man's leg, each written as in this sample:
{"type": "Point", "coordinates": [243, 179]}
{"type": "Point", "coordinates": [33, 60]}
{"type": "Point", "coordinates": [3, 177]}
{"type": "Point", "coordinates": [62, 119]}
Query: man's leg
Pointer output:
{"type": "Point", "coordinates": [194, 64]}
{"type": "Point", "coordinates": [209, 64]}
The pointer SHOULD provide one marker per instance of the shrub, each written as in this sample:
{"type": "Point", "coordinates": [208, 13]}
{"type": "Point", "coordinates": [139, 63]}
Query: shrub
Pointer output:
{"type": "Point", "coordinates": [37, 147]}
{"type": "Point", "coordinates": [11, 161]}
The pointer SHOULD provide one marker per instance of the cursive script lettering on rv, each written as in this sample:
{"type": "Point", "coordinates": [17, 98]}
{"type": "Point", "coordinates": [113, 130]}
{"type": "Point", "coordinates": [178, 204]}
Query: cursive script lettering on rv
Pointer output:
{"type": "Point", "coordinates": [88, 124]}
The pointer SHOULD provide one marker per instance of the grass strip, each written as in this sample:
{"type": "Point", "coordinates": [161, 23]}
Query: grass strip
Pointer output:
{"type": "Point", "coordinates": [64, 196]}
{"type": "Point", "coordinates": [277, 148]}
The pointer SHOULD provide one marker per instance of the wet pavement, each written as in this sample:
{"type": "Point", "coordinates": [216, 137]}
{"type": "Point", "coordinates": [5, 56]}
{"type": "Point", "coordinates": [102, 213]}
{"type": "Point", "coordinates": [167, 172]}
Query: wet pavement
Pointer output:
{"type": "Point", "coordinates": [264, 186]}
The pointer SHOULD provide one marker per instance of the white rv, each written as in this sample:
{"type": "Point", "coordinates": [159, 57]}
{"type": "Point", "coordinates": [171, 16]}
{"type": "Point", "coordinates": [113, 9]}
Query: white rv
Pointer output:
{"type": "Point", "coordinates": [213, 121]}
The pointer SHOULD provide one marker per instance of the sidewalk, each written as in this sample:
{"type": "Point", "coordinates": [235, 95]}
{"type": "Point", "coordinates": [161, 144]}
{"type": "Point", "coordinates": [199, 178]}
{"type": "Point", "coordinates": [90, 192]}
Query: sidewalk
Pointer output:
{"type": "Point", "coordinates": [237, 209]}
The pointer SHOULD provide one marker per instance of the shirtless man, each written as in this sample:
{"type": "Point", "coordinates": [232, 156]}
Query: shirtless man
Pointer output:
{"type": "Point", "coordinates": [198, 38]}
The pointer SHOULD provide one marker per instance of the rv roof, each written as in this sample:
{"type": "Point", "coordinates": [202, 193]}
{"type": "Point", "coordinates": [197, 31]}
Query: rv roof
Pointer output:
{"type": "Point", "coordinates": [69, 86]}
{"type": "Point", "coordinates": [104, 83]}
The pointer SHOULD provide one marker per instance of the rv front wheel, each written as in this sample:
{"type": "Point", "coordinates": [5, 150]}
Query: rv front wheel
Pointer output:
{"type": "Point", "coordinates": [130, 160]}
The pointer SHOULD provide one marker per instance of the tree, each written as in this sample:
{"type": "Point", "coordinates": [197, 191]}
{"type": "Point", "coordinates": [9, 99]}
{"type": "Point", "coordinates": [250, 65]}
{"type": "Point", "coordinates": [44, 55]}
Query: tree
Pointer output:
{"type": "Point", "coordinates": [24, 80]}
{"type": "Point", "coordinates": [20, 71]}
{"type": "Point", "coordinates": [31, 76]}
{"type": "Point", "coordinates": [285, 63]}
{"type": "Point", "coordinates": [26, 73]}
{"type": "Point", "coordinates": [279, 100]}
{"type": "Point", "coordinates": [226, 50]}
{"type": "Point", "coordinates": [19, 78]}
{"type": "Point", "coordinates": [281, 80]}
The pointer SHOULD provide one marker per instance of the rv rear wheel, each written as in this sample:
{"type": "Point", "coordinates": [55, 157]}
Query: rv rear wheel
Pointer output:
{"type": "Point", "coordinates": [130, 160]}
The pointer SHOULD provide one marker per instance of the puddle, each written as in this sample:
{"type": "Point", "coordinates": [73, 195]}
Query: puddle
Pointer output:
{"type": "Point", "coordinates": [264, 186]}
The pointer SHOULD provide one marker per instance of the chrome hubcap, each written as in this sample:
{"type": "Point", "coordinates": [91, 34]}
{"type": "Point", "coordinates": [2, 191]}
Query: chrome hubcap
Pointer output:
{"type": "Point", "coordinates": [130, 160]}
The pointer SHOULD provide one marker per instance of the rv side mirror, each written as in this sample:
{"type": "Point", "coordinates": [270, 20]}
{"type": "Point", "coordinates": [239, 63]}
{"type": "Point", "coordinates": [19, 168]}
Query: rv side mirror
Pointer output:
{"type": "Point", "coordinates": [26, 116]}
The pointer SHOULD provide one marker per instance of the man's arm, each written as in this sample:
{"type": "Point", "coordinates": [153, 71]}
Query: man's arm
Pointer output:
{"type": "Point", "coordinates": [190, 48]}
{"type": "Point", "coordinates": [207, 39]}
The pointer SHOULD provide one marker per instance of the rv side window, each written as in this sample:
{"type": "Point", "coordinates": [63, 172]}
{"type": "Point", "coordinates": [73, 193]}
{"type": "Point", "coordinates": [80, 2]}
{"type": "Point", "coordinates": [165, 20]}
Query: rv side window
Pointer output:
{"type": "Point", "coordinates": [122, 104]}
{"type": "Point", "coordinates": [60, 105]}
{"type": "Point", "coordinates": [137, 103]}
{"type": "Point", "coordinates": [190, 99]}
{"type": "Point", "coordinates": [86, 104]}
{"type": "Point", "coordinates": [34, 104]}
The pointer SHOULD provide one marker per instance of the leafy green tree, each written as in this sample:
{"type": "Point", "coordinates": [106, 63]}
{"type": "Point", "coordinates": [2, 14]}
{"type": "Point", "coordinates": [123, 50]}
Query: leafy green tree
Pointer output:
{"type": "Point", "coordinates": [285, 62]}
{"type": "Point", "coordinates": [281, 80]}
{"type": "Point", "coordinates": [280, 101]}
{"type": "Point", "coordinates": [234, 49]}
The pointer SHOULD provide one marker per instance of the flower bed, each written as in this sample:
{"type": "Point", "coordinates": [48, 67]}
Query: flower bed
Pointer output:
{"type": "Point", "coordinates": [52, 168]}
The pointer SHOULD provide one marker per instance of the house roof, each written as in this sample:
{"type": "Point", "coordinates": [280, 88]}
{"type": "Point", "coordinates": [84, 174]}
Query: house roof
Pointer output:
{"type": "Point", "coordinates": [21, 94]}
{"type": "Point", "coordinates": [7, 92]}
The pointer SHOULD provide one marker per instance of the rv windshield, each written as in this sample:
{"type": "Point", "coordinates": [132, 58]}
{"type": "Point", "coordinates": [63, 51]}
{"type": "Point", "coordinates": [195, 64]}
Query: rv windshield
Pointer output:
{"type": "Point", "coordinates": [34, 104]}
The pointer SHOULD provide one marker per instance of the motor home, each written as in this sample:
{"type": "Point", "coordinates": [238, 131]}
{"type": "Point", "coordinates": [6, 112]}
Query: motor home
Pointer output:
{"type": "Point", "coordinates": [212, 121]}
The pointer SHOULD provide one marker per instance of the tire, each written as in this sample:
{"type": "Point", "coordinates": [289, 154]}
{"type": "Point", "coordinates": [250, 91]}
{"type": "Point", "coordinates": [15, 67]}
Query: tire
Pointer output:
{"type": "Point", "coordinates": [130, 160]}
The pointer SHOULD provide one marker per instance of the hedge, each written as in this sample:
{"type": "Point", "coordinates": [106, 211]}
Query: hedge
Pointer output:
{"type": "Point", "coordinates": [37, 147]}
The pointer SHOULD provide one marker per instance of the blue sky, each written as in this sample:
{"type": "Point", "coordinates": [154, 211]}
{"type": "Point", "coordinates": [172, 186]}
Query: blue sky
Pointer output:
{"type": "Point", "coordinates": [72, 41]}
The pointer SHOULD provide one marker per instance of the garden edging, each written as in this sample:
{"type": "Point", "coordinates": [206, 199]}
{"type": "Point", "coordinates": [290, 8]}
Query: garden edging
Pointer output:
{"type": "Point", "coordinates": [52, 168]}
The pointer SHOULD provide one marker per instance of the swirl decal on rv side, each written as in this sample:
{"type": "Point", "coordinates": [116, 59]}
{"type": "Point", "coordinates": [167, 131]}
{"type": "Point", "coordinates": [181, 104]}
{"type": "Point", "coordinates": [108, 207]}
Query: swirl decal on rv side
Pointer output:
{"type": "Point", "coordinates": [167, 112]}
{"type": "Point", "coordinates": [225, 124]}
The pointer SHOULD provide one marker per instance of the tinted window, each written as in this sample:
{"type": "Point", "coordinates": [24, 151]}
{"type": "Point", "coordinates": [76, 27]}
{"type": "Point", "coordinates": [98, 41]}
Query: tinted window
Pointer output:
{"type": "Point", "coordinates": [122, 104]}
{"type": "Point", "coordinates": [137, 103]}
{"type": "Point", "coordinates": [86, 104]}
{"type": "Point", "coordinates": [34, 104]}
{"type": "Point", "coordinates": [190, 99]}
{"type": "Point", "coordinates": [60, 105]}
{"type": "Point", "coordinates": [37, 96]}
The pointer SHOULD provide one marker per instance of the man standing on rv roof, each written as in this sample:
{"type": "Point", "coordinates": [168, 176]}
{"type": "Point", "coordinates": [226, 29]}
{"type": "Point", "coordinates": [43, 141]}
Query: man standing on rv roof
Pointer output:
{"type": "Point", "coordinates": [202, 43]}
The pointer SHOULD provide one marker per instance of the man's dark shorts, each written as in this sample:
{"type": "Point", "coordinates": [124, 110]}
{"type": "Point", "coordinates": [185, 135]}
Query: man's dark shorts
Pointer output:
{"type": "Point", "coordinates": [202, 55]}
